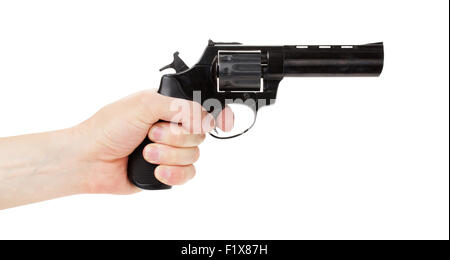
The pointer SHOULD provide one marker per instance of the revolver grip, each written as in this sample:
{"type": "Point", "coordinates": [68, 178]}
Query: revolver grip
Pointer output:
{"type": "Point", "coordinates": [140, 172]}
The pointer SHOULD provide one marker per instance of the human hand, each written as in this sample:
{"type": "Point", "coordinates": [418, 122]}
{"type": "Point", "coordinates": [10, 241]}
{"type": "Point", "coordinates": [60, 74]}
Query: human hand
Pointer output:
{"type": "Point", "coordinates": [92, 157]}
{"type": "Point", "coordinates": [108, 137]}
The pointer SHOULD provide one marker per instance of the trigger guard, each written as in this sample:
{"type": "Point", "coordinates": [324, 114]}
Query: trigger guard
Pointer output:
{"type": "Point", "coordinates": [255, 113]}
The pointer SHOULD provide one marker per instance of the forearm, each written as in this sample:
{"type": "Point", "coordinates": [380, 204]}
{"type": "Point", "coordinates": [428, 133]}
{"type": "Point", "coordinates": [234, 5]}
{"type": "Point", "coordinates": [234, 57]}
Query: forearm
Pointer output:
{"type": "Point", "coordinates": [39, 167]}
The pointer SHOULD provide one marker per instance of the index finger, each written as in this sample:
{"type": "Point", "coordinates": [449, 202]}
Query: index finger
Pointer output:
{"type": "Point", "coordinates": [191, 115]}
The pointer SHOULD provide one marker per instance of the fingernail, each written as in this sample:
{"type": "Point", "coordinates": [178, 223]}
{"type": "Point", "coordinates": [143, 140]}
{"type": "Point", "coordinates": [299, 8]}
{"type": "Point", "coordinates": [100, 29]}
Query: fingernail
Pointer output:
{"type": "Point", "coordinates": [156, 133]}
{"type": "Point", "coordinates": [151, 154]}
{"type": "Point", "coordinates": [163, 174]}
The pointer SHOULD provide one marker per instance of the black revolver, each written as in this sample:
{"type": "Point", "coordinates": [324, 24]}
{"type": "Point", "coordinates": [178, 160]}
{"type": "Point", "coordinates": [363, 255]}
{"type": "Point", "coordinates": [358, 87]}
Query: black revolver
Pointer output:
{"type": "Point", "coordinates": [228, 72]}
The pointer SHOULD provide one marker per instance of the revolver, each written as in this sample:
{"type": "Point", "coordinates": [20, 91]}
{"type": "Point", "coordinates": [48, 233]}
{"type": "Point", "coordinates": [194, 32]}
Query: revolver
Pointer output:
{"type": "Point", "coordinates": [229, 72]}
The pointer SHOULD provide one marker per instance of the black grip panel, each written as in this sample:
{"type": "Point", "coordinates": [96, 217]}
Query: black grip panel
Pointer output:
{"type": "Point", "coordinates": [140, 172]}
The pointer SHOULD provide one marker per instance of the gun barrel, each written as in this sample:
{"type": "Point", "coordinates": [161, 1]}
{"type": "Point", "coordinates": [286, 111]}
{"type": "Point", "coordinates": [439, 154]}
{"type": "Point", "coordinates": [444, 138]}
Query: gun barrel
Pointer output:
{"type": "Point", "coordinates": [333, 60]}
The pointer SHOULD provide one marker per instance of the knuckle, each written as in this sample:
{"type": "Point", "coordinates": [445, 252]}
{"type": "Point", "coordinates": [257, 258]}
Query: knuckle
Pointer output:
{"type": "Point", "coordinates": [201, 137]}
{"type": "Point", "coordinates": [172, 155]}
{"type": "Point", "coordinates": [146, 96]}
{"type": "Point", "coordinates": [178, 139]}
{"type": "Point", "coordinates": [188, 173]}
{"type": "Point", "coordinates": [143, 101]}
{"type": "Point", "coordinates": [182, 172]}
{"type": "Point", "coordinates": [191, 140]}
{"type": "Point", "coordinates": [196, 154]}
{"type": "Point", "coordinates": [192, 170]}
{"type": "Point", "coordinates": [180, 175]}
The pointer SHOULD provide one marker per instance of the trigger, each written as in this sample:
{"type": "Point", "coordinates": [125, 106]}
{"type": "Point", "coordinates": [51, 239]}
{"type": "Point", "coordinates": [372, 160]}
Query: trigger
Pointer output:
{"type": "Point", "coordinates": [216, 135]}
{"type": "Point", "coordinates": [177, 64]}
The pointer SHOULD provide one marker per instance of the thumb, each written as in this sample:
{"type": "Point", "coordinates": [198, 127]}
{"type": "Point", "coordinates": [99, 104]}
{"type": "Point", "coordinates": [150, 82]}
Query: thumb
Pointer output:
{"type": "Point", "coordinates": [150, 107]}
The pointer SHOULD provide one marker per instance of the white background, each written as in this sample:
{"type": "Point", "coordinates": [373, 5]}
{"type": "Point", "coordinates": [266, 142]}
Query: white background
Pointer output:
{"type": "Point", "coordinates": [334, 158]}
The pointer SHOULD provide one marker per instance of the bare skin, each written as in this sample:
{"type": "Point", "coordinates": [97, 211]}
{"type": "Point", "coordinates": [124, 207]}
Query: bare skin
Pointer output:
{"type": "Point", "coordinates": [92, 156]}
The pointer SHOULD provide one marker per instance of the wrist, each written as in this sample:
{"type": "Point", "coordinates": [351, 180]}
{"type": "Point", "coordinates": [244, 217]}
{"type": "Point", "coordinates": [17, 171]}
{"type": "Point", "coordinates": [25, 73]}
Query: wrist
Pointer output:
{"type": "Point", "coordinates": [81, 159]}
{"type": "Point", "coordinates": [73, 165]}
{"type": "Point", "coordinates": [62, 162]}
